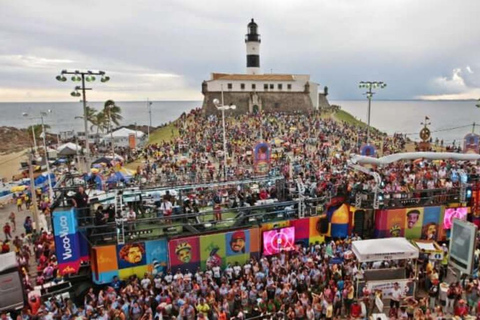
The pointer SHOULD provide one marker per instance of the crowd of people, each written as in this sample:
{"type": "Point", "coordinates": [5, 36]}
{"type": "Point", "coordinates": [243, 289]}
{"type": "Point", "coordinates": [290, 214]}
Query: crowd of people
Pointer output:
{"type": "Point", "coordinates": [312, 283]}
{"type": "Point", "coordinates": [314, 148]}
{"type": "Point", "coordinates": [315, 282]}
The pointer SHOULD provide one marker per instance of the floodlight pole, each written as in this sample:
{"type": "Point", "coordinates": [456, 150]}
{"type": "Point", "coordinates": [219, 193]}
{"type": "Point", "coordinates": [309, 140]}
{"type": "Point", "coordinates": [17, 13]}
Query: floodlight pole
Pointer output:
{"type": "Point", "coordinates": [50, 188]}
{"type": "Point", "coordinates": [369, 85]}
{"type": "Point", "coordinates": [90, 78]}
{"type": "Point", "coordinates": [85, 123]}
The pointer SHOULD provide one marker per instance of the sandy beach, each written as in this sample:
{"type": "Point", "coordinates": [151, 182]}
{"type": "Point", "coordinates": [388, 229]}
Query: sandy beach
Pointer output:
{"type": "Point", "coordinates": [10, 164]}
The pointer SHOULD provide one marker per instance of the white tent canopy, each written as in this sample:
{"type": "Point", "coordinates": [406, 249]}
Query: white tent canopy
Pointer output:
{"type": "Point", "coordinates": [124, 133]}
{"type": "Point", "coordinates": [69, 145]}
{"type": "Point", "coordinates": [384, 249]}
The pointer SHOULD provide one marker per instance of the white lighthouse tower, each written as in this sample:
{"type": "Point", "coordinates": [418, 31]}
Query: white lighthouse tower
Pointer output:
{"type": "Point", "coordinates": [252, 40]}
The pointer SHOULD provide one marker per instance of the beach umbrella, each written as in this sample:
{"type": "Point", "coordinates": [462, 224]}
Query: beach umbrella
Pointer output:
{"type": "Point", "coordinates": [18, 188]}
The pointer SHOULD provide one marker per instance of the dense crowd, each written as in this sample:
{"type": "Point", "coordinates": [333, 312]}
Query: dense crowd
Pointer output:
{"type": "Point", "coordinates": [312, 148]}
{"type": "Point", "coordinates": [314, 282]}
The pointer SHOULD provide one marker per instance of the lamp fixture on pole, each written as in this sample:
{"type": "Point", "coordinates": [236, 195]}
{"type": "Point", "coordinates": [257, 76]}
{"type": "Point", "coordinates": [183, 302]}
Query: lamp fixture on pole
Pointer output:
{"type": "Point", "coordinates": [82, 76]}
{"type": "Point", "coordinates": [369, 85]}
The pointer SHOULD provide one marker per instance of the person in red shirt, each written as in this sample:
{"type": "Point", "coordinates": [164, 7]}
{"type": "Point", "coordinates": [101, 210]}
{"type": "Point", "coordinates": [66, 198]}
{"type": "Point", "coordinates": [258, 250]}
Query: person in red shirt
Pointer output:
{"type": "Point", "coordinates": [34, 303]}
{"type": "Point", "coordinates": [7, 231]}
{"type": "Point", "coordinates": [461, 309]}
{"type": "Point", "coordinates": [263, 194]}
{"type": "Point", "coordinates": [355, 310]}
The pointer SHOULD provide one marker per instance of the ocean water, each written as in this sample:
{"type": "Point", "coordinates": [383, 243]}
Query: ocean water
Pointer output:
{"type": "Point", "coordinates": [62, 117]}
{"type": "Point", "coordinates": [450, 120]}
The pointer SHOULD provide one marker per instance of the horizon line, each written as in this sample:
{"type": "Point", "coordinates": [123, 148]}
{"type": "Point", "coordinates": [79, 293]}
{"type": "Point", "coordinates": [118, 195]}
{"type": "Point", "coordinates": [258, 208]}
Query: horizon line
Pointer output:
{"type": "Point", "coordinates": [98, 101]}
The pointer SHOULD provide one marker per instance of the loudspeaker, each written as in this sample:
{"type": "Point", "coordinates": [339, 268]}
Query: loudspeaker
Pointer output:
{"type": "Point", "coordinates": [322, 225]}
{"type": "Point", "coordinates": [359, 221]}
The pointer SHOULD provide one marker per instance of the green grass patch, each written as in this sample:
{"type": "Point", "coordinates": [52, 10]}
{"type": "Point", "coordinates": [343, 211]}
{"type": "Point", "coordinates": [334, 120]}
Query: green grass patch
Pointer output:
{"type": "Point", "coordinates": [342, 115]}
{"type": "Point", "coordinates": [166, 133]}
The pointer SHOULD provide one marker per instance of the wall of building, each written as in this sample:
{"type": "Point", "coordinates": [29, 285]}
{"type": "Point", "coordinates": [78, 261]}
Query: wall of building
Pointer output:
{"type": "Point", "coordinates": [270, 101]}
{"type": "Point", "coordinates": [314, 93]}
{"type": "Point", "coordinates": [296, 86]}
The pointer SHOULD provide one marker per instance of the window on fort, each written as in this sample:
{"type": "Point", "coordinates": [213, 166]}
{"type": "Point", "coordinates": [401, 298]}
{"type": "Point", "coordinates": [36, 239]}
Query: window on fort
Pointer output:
{"type": "Point", "coordinates": [254, 86]}
{"type": "Point", "coordinates": [289, 86]}
{"type": "Point", "coordinates": [230, 86]}
{"type": "Point", "coordinates": [265, 86]}
{"type": "Point", "coordinates": [277, 105]}
{"type": "Point", "coordinates": [242, 86]}
{"type": "Point", "coordinates": [272, 86]}
{"type": "Point", "coordinates": [280, 86]}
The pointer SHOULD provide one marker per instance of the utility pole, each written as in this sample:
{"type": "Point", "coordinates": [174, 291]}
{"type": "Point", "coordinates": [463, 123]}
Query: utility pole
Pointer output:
{"type": "Point", "coordinates": [33, 192]}
{"type": "Point", "coordinates": [149, 106]}
{"type": "Point", "coordinates": [473, 127]}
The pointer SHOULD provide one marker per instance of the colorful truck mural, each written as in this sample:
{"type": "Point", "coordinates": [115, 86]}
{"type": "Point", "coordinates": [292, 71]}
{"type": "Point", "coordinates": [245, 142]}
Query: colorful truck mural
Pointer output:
{"type": "Point", "coordinates": [427, 223]}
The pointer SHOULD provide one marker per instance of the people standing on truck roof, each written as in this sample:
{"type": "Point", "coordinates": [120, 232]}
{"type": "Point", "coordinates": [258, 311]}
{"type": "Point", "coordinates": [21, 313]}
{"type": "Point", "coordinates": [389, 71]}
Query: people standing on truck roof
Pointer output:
{"type": "Point", "coordinates": [80, 201]}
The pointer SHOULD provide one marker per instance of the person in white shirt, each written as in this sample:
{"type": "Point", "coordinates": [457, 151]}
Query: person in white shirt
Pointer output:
{"type": "Point", "coordinates": [178, 275]}
{"type": "Point", "coordinates": [216, 273]}
{"type": "Point", "coordinates": [166, 209]}
{"type": "Point", "coordinates": [169, 277]}
{"type": "Point", "coordinates": [237, 270]}
{"type": "Point", "coordinates": [229, 272]}
{"type": "Point", "coordinates": [396, 296]}
{"type": "Point", "coordinates": [145, 282]}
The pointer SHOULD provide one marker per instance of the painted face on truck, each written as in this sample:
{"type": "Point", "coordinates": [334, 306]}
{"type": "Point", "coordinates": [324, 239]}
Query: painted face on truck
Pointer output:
{"type": "Point", "coordinates": [132, 253]}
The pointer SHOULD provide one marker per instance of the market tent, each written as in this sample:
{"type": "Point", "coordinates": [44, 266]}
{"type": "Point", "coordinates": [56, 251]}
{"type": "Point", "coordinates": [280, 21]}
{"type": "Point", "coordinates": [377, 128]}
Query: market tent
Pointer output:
{"type": "Point", "coordinates": [124, 133]}
{"type": "Point", "coordinates": [69, 149]}
{"type": "Point", "coordinates": [384, 249]}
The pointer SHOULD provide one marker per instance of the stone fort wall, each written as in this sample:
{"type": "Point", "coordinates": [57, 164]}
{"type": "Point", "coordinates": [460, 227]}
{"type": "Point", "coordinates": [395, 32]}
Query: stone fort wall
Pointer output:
{"type": "Point", "coordinates": [267, 101]}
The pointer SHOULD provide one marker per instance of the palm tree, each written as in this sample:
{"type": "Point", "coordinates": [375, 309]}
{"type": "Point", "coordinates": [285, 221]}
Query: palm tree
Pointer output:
{"type": "Point", "coordinates": [99, 121]}
{"type": "Point", "coordinates": [91, 114]}
{"type": "Point", "coordinates": [112, 112]}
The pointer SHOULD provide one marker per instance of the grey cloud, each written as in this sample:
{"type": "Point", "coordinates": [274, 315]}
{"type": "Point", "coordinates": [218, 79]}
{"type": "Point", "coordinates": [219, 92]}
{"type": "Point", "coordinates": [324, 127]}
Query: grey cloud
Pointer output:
{"type": "Point", "coordinates": [407, 43]}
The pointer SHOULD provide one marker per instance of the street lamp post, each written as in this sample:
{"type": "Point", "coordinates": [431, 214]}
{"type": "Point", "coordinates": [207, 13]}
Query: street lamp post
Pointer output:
{"type": "Point", "coordinates": [83, 76]}
{"type": "Point", "coordinates": [222, 107]}
{"type": "Point", "coordinates": [42, 115]}
{"type": "Point", "coordinates": [149, 106]}
{"type": "Point", "coordinates": [369, 85]}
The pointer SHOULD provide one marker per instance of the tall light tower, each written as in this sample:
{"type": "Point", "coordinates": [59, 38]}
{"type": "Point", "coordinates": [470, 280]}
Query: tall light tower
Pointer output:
{"type": "Point", "coordinates": [82, 76]}
{"type": "Point", "coordinates": [222, 107]}
{"type": "Point", "coordinates": [369, 85]}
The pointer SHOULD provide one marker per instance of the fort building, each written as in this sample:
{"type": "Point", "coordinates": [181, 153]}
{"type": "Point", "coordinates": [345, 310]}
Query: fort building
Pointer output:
{"type": "Point", "coordinates": [253, 91]}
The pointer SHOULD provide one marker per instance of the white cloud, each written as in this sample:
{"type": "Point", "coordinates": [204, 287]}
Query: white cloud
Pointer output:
{"type": "Point", "coordinates": [460, 85]}
{"type": "Point", "coordinates": [27, 61]}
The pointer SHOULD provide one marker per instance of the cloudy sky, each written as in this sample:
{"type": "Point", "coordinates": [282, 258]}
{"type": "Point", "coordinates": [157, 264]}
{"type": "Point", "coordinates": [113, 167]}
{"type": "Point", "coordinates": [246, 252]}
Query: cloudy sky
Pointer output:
{"type": "Point", "coordinates": [164, 49]}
